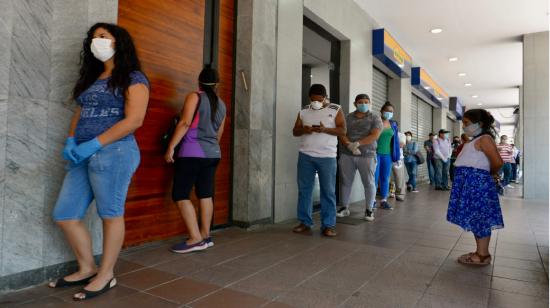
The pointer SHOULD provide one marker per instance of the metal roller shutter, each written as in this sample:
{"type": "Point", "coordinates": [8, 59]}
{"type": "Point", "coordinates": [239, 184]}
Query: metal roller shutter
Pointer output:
{"type": "Point", "coordinates": [379, 89]}
{"type": "Point", "coordinates": [424, 126]}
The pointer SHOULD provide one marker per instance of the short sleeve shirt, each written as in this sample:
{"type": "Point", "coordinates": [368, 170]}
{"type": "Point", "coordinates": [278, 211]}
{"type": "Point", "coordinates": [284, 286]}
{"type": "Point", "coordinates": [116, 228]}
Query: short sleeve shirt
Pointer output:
{"type": "Point", "coordinates": [429, 144]}
{"type": "Point", "coordinates": [102, 107]}
{"type": "Point", "coordinates": [359, 128]}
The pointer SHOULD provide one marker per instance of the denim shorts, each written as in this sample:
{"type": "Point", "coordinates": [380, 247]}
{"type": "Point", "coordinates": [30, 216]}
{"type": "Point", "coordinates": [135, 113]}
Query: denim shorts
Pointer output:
{"type": "Point", "coordinates": [105, 177]}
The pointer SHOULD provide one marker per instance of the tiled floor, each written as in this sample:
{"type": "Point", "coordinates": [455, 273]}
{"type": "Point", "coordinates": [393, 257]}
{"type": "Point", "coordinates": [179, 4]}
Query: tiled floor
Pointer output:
{"type": "Point", "coordinates": [406, 258]}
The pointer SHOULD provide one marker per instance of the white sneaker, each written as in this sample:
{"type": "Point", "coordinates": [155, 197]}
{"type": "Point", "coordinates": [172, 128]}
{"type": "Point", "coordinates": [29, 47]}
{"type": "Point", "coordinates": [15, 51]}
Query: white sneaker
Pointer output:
{"type": "Point", "coordinates": [343, 212]}
{"type": "Point", "coordinates": [369, 215]}
{"type": "Point", "coordinates": [509, 186]}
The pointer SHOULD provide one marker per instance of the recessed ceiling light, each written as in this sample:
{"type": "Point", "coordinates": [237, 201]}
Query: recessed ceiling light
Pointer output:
{"type": "Point", "coordinates": [440, 98]}
{"type": "Point", "coordinates": [427, 88]}
{"type": "Point", "coordinates": [453, 59]}
{"type": "Point", "coordinates": [461, 74]}
{"type": "Point", "coordinates": [467, 84]}
{"type": "Point", "coordinates": [480, 104]}
{"type": "Point", "coordinates": [436, 30]}
{"type": "Point", "coordinates": [475, 96]}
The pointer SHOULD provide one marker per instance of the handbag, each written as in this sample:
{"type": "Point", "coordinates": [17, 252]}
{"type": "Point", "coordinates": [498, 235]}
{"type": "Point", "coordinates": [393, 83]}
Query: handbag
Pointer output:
{"type": "Point", "coordinates": [167, 136]}
{"type": "Point", "coordinates": [419, 158]}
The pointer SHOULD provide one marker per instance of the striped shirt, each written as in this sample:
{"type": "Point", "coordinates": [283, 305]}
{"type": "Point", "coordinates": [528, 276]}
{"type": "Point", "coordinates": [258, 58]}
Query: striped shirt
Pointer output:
{"type": "Point", "coordinates": [506, 152]}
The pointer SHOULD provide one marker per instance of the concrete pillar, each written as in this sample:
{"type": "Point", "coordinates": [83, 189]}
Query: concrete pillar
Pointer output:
{"type": "Point", "coordinates": [289, 63]}
{"type": "Point", "coordinates": [535, 115]}
{"type": "Point", "coordinates": [255, 64]}
{"type": "Point", "coordinates": [400, 96]}
{"type": "Point", "coordinates": [439, 119]}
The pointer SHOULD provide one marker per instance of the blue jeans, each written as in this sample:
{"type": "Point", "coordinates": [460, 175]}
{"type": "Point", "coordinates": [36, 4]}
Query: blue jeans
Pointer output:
{"type": "Point", "coordinates": [507, 171]}
{"type": "Point", "coordinates": [325, 167]}
{"type": "Point", "coordinates": [105, 177]}
{"type": "Point", "coordinates": [411, 170]}
{"type": "Point", "coordinates": [431, 170]}
{"type": "Point", "coordinates": [514, 172]}
{"type": "Point", "coordinates": [442, 173]}
{"type": "Point", "coordinates": [382, 175]}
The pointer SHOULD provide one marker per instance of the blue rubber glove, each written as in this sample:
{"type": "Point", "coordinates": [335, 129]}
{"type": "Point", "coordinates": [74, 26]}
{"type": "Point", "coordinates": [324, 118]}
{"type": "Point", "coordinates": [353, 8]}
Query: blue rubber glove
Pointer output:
{"type": "Point", "coordinates": [70, 144]}
{"type": "Point", "coordinates": [85, 150]}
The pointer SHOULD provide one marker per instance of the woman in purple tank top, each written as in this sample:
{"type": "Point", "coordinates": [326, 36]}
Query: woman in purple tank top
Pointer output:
{"type": "Point", "coordinates": [198, 133]}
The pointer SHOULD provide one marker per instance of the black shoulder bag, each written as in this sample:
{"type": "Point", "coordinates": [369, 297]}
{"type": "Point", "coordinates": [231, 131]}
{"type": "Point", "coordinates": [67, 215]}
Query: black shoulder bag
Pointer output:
{"type": "Point", "coordinates": [167, 136]}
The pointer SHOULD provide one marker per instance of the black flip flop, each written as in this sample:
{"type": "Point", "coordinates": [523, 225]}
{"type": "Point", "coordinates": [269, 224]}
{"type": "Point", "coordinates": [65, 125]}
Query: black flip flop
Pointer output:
{"type": "Point", "coordinates": [62, 283]}
{"type": "Point", "coordinates": [92, 294]}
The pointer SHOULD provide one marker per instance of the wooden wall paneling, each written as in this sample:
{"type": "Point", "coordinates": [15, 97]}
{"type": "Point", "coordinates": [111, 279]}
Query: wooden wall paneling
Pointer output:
{"type": "Point", "coordinates": [169, 38]}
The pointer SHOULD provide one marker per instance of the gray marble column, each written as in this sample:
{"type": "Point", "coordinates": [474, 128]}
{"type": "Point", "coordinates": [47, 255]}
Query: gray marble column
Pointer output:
{"type": "Point", "coordinates": [254, 112]}
{"type": "Point", "coordinates": [6, 22]}
{"type": "Point", "coordinates": [39, 63]}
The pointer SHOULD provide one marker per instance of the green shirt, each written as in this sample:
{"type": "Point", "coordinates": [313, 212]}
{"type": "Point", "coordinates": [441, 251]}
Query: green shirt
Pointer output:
{"type": "Point", "coordinates": [384, 141]}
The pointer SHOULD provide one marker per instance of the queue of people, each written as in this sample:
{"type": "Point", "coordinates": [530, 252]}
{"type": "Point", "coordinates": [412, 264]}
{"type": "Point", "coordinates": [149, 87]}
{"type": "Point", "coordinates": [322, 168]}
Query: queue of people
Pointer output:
{"type": "Point", "coordinates": [102, 155]}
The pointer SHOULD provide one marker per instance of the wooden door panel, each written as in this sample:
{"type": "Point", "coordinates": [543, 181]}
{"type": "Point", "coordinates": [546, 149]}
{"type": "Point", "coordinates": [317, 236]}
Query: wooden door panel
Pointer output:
{"type": "Point", "coordinates": [169, 38]}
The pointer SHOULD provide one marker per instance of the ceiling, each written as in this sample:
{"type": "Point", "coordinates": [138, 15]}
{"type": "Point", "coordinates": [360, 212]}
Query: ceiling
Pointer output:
{"type": "Point", "coordinates": [484, 35]}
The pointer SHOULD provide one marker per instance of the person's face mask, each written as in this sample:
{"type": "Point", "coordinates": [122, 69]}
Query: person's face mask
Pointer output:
{"type": "Point", "coordinates": [434, 137]}
{"type": "Point", "coordinates": [388, 115]}
{"type": "Point", "coordinates": [101, 49]}
{"type": "Point", "coordinates": [363, 107]}
{"type": "Point", "coordinates": [408, 138]}
{"type": "Point", "coordinates": [472, 130]}
{"type": "Point", "coordinates": [316, 105]}
{"type": "Point", "coordinates": [446, 135]}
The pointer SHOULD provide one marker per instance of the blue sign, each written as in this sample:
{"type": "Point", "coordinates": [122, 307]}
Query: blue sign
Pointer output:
{"type": "Point", "coordinates": [425, 84]}
{"type": "Point", "coordinates": [456, 107]}
{"type": "Point", "coordinates": [386, 49]}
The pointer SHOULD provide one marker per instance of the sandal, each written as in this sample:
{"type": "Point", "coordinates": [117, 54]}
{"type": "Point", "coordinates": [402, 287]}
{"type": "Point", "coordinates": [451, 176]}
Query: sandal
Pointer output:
{"type": "Point", "coordinates": [467, 259]}
{"type": "Point", "coordinates": [62, 283]}
{"type": "Point", "coordinates": [91, 294]}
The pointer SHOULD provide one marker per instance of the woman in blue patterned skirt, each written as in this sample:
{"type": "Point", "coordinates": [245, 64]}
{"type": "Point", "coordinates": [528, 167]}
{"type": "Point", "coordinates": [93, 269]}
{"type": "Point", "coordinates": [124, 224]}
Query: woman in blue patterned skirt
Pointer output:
{"type": "Point", "coordinates": [474, 203]}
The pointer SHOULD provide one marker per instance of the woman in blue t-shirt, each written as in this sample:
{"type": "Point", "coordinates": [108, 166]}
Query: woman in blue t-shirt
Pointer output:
{"type": "Point", "coordinates": [112, 95]}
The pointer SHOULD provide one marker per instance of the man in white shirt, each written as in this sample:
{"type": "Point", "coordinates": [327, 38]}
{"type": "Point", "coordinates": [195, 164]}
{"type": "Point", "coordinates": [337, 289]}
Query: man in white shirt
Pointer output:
{"type": "Point", "coordinates": [442, 155]}
{"type": "Point", "coordinates": [318, 125]}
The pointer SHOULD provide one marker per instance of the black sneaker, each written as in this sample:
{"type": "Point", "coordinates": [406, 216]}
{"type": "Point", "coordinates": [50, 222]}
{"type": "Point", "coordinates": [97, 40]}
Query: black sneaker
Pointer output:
{"type": "Point", "coordinates": [342, 212]}
{"type": "Point", "coordinates": [369, 215]}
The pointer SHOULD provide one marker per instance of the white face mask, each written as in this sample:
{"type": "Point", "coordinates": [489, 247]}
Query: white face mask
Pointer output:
{"type": "Point", "coordinates": [102, 50]}
{"type": "Point", "coordinates": [472, 130]}
{"type": "Point", "coordinates": [316, 105]}
{"type": "Point", "coordinates": [409, 138]}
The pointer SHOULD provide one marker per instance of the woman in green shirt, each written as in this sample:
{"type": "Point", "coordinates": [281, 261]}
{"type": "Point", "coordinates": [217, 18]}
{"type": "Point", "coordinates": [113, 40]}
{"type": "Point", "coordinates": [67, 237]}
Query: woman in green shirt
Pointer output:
{"type": "Point", "coordinates": [387, 152]}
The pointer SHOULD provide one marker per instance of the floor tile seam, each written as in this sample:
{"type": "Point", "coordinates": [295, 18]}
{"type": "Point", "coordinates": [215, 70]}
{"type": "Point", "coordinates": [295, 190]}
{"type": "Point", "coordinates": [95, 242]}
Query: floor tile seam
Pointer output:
{"type": "Point", "coordinates": [376, 275]}
{"type": "Point", "coordinates": [542, 262]}
{"type": "Point", "coordinates": [515, 292]}
{"type": "Point", "coordinates": [237, 257]}
{"type": "Point", "coordinates": [275, 298]}
{"type": "Point", "coordinates": [177, 256]}
{"type": "Point", "coordinates": [162, 284]}
{"type": "Point", "coordinates": [519, 279]}
{"type": "Point", "coordinates": [160, 297]}
{"type": "Point", "coordinates": [227, 286]}
{"type": "Point", "coordinates": [438, 271]}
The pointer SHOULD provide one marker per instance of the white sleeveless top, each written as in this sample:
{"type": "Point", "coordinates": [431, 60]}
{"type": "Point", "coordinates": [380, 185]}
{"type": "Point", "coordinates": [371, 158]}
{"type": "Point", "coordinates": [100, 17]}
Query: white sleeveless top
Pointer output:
{"type": "Point", "coordinates": [471, 157]}
{"type": "Point", "coordinates": [319, 144]}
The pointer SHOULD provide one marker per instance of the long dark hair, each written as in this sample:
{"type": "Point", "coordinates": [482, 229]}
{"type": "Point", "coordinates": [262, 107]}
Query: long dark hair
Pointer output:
{"type": "Point", "coordinates": [485, 120]}
{"type": "Point", "coordinates": [387, 104]}
{"type": "Point", "coordinates": [208, 78]}
{"type": "Point", "coordinates": [125, 58]}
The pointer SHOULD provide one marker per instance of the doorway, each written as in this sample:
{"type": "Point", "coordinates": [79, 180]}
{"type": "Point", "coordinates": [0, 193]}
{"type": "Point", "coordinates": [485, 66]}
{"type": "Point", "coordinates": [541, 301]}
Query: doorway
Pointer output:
{"type": "Point", "coordinates": [320, 64]}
